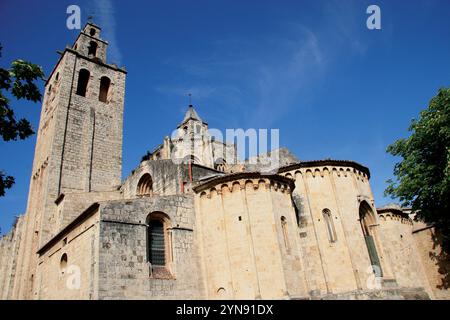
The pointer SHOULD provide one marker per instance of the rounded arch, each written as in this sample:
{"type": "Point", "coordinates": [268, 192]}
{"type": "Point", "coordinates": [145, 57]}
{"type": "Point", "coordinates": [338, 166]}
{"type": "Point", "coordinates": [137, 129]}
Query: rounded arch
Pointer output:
{"type": "Point", "coordinates": [105, 83]}
{"type": "Point", "coordinates": [328, 219]}
{"type": "Point", "coordinates": [249, 184]}
{"type": "Point", "coordinates": [158, 240]}
{"type": "Point", "coordinates": [158, 215]}
{"type": "Point", "coordinates": [63, 263]}
{"type": "Point", "coordinates": [83, 80]}
{"type": "Point", "coordinates": [220, 164]}
{"type": "Point", "coordinates": [145, 185]}
{"type": "Point", "coordinates": [235, 186]}
{"type": "Point", "coordinates": [92, 49]}
{"type": "Point", "coordinates": [367, 218]}
{"type": "Point", "coordinates": [191, 159]}
{"type": "Point", "coordinates": [369, 224]}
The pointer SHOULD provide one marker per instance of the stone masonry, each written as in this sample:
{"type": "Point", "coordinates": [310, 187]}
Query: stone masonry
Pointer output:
{"type": "Point", "coordinates": [191, 221]}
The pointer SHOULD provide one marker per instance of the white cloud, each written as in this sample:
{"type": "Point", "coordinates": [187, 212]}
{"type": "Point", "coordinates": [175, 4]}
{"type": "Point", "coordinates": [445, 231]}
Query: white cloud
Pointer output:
{"type": "Point", "coordinates": [104, 16]}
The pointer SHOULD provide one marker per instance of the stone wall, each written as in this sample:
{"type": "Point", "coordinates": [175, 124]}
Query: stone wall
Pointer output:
{"type": "Point", "coordinates": [125, 272]}
{"type": "Point", "coordinates": [245, 254]}
{"type": "Point", "coordinates": [401, 250]}
{"type": "Point", "coordinates": [167, 178]}
{"type": "Point", "coordinates": [71, 205]}
{"type": "Point", "coordinates": [78, 277]}
{"type": "Point", "coordinates": [341, 189]}
{"type": "Point", "coordinates": [78, 148]}
{"type": "Point", "coordinates": [9, 248]}
{"type": "Point", "coordinates": [430, 252]}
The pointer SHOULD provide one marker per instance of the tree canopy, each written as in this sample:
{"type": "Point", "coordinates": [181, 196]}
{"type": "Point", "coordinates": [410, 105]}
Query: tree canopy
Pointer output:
{"type": "Point", "coordinates": [18, 81]}
{"type": "Point", "coordinates": [423, 174]}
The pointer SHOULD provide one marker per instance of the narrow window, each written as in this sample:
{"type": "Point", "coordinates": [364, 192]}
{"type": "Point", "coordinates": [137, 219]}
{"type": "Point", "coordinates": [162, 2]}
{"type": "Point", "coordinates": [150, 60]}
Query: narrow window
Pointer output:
{"type": "Point", "coordinates": [63, 263]}
{"type": "Point", "coordinates": [285, 233]}
{"type": "Point", "coordinates": [157, 254]}
{"type": "Point", "coordinates": [104, 89]}
{"type": "Point", "coordinates": [83, 79]}
{"type": "Point", "coordinates": [369, 229]}
{"type": "Point", "coordinates": [92, 49]}
{"type": "Point", "coordinates": [328, 218]}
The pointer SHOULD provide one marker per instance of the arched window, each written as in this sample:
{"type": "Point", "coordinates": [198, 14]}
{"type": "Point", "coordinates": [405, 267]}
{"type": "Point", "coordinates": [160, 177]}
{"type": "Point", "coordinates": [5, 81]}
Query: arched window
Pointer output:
{"type": "Point", "coordinates": [104, 89]}
{"type": "Point", "coordinates": [145, 185]}
{"type": "Point", "coordinates": [368, 226]}
{"type": "Point", "coordinates": [92, 49]}
{"type": "Point", "coordinates": [157, 250]}
{"type": "Point", "coordinates": [328, 218]}
{"type": "Point", "coordinates": [191, 159]}
{"type": "Point", "coordinates": [83, 80]}
{"type": "Point", "coordinates": [159, 244]}
{"type": "Point", "coordinates": [285, 232]}
{"type": "Point", "coordinates": [63, 263]}
{"type": "Point", "coordinates": [220, 164]}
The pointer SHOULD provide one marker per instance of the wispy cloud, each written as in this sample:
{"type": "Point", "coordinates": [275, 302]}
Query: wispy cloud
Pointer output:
{"type": "Point", "coordinates": [104, 15]}
{"type": "Point", "coordinates": [273, 73]}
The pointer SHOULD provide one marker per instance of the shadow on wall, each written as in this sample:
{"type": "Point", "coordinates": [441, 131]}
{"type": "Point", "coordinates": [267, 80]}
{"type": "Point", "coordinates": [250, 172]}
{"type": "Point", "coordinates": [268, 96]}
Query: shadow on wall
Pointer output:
{"type": "Point", "coordinates": [442, 260]}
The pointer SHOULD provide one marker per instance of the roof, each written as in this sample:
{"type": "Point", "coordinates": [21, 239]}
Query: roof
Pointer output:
{"type": "Point", "coordinates": [392, 207]}
{"type": "Point", "coordinates": [241, 175]}
{"type": "Point", "coordinates": [326, 162]}
{"type": "Point", "coordinates": [191, 114]}
{"type": "Point", "coordinates": [74, 223]}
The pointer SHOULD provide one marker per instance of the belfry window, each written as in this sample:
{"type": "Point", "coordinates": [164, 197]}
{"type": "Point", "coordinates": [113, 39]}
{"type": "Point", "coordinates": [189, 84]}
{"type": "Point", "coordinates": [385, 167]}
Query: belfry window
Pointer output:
{"type": "Point", "coordinates": [92, 49]}
{"type": "Point", "coordinates": [104, 89]}
{"type": "Point", "coordinates": [83, 80]}
{"type": "Point", "coordinates": [328, 218]}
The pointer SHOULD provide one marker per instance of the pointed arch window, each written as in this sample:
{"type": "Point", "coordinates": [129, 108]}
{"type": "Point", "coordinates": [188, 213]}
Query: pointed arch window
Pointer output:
{"type": "Point", "coordinates": [83, 80]}
{"type": "Point", "coordinates": [105, 83]}
{"type": "Point", "coordinates": [328, 218]}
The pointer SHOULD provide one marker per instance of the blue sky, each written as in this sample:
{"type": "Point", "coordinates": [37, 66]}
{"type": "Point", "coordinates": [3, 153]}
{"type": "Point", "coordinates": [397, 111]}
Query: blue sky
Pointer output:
{"type": "Point", "coordinates": [309, 68]}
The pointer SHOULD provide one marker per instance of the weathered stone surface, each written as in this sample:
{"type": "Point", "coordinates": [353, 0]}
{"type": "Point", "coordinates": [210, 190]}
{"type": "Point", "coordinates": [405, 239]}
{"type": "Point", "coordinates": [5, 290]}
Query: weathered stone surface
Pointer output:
{"type": "Point", "coordinates": [205, 228]}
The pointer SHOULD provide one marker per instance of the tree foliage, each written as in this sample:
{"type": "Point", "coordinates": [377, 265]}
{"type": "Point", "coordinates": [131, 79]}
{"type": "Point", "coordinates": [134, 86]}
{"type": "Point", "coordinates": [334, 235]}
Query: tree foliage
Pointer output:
{"type": "Point", "coordinates": [423, 175]}
{"type": "Point", "coordinates": [19, 82]}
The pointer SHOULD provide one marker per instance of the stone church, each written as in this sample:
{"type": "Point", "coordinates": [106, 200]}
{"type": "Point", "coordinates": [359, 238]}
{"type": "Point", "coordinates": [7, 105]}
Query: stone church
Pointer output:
{"type": "Point", "coordinates": [205, 227]}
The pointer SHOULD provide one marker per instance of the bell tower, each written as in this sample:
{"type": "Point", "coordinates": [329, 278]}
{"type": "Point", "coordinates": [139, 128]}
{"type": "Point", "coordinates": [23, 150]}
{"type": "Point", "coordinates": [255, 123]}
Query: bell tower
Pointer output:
{"type": "Point", "coordinates": [79, 141]}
